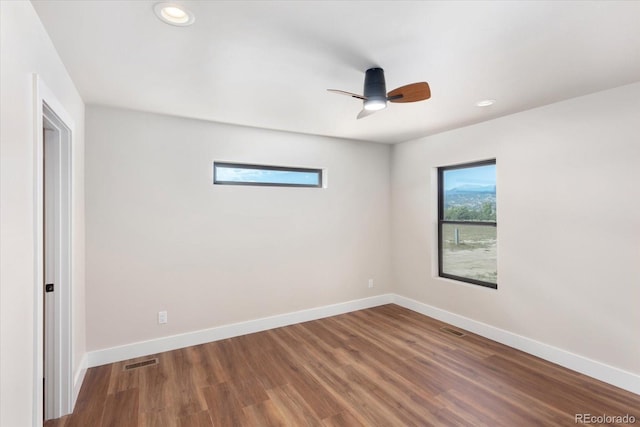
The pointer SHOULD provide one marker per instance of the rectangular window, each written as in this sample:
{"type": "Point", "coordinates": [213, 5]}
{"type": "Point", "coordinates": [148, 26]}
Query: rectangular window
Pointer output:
{"type": "Point", "coordinates": [467, 244]}
{"type": "Point", "coordinates": [279, 176]}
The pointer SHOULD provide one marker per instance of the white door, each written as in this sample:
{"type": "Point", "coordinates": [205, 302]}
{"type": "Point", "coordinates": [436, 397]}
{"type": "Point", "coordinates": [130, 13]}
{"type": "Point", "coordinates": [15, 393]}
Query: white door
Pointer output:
{"type": "Point", "coordinates": [51, 188]}
{"type": "Point", "coordinates": [53, 366]}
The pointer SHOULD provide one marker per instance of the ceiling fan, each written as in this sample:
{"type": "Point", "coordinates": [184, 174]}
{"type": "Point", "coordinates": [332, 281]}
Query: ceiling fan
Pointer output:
{"type": "Point", "coordinates": [375, 92]}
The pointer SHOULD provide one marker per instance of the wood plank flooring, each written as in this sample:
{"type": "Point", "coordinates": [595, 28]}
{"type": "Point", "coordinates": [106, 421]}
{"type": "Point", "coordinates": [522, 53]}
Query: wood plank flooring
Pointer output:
{"type": "Point", "coordinates": [385, 366]}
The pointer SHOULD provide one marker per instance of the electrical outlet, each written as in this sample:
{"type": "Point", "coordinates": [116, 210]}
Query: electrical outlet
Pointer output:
{"type": "Point", "coordinates": [371, 283]}
{"type": "Point", "coordinates": [162, 317]}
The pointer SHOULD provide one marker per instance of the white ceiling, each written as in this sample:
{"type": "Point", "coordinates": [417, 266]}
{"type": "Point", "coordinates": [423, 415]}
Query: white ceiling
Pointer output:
{"type": "Point", "coordinates": [268, 63]}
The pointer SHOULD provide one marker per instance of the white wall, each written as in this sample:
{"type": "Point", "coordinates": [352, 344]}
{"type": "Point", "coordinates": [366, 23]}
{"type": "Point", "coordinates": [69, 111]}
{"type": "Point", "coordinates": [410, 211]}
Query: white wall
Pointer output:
{"type": "Point", "coordinates": [25, 48]}
{"type": "Point", "coordinates": [161, 236]}
{"type": "Point", "coordinates": [568, 224]}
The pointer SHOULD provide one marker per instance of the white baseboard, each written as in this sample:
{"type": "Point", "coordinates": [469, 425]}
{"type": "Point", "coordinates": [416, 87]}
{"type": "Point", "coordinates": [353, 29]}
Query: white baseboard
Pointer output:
{"type": "Point", "coordinates": [145, 348]}
{"type": "Point", "coordinates": [609, 374]}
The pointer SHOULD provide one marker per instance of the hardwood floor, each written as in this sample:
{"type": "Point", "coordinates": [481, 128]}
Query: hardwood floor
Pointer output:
{"type": "Point", "coordinates": [385, 366]}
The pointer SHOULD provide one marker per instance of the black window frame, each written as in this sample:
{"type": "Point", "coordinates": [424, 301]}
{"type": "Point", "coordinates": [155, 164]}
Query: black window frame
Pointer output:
{"type": "Point", "coordinates": [442, 222]}
{"type": "Point", "coordinates": [216, 181]}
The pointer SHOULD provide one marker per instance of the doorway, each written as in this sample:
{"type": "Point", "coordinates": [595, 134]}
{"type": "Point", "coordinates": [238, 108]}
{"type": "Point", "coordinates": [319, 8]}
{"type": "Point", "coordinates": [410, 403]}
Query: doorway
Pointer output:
{"type": "Point", "coordinates": [53, 364]}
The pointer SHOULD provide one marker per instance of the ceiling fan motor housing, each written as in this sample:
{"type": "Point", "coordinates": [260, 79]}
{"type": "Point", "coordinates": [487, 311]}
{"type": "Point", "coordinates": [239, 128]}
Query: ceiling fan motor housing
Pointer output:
{"type": "Point", "coordinates": [375, 89]}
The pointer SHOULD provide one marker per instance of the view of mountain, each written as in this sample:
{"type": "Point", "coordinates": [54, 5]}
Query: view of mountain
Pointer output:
{"type": "Point", "coordinates": [473, 188]}
{"type": "Point", "coordinates": [470, 193]}
{"type": "Point", "coordinates": [477, 204]}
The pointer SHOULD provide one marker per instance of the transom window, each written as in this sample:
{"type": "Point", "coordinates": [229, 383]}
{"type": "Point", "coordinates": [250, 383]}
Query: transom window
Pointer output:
{"type": "Point", "coordinates": [279, 176]}
{"type": "Point", "coordinates": [467, 226]}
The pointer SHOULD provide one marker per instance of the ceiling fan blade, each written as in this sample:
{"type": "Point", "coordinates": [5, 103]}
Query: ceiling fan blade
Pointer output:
{"type": "Point", "coordinates": [410, 93]}
{"type": "Point", "coordinates": [365, 113]}
{"type": "Point", "coordinates": [342, 92]}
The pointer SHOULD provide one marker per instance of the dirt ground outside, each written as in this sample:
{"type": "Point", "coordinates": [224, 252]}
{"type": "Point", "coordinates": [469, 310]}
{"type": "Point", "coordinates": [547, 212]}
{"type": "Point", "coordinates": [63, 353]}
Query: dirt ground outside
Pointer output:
{"type": "Point", "coordinates": [475, 253]}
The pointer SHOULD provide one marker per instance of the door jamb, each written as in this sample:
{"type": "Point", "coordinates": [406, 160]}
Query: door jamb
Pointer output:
{"type": "Point", "coordinates": [45, 102]}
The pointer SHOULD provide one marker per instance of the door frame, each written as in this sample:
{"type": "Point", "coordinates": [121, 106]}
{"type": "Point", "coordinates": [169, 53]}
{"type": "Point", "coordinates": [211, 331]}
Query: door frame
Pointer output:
{"type": "Point", "coordinates": [46, 105]}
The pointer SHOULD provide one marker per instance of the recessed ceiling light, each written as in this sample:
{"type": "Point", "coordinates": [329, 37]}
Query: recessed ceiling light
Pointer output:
{"type": "Point", "coordinates": [485, 102]}
{"type": "Point", "coordinates": [174, 14]}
